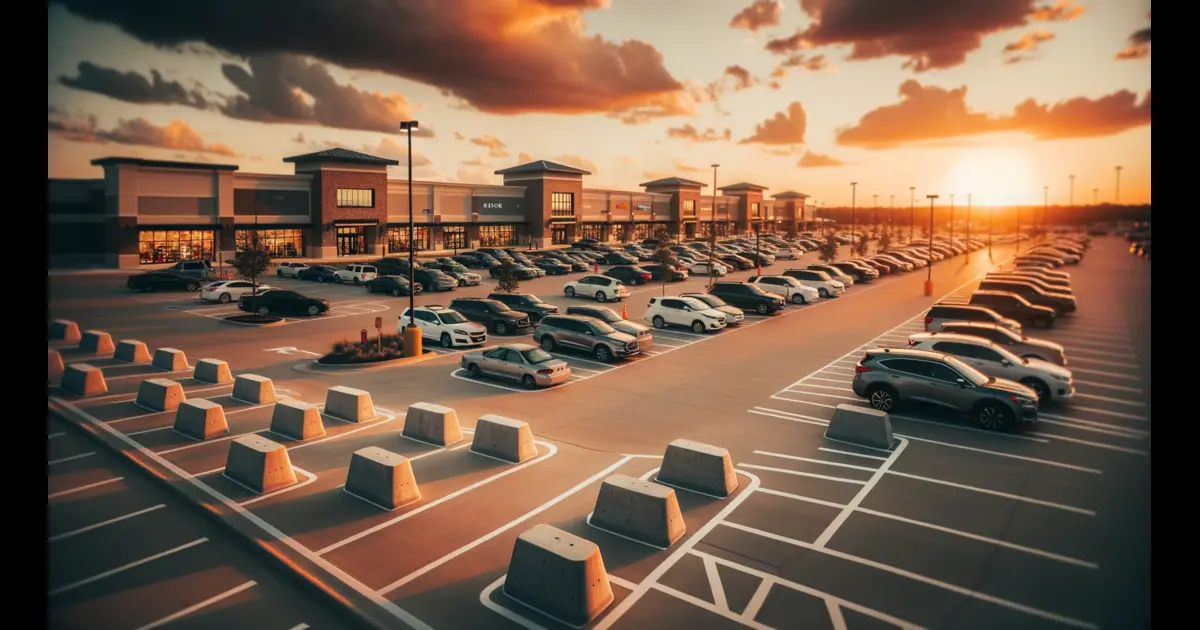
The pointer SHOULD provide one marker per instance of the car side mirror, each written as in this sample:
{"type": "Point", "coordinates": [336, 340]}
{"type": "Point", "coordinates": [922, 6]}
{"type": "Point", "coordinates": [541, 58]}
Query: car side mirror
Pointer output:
{"type": "Point", "coordinates": [961, 383]}
{"type": "Point", "coordinates": [1005, 362]}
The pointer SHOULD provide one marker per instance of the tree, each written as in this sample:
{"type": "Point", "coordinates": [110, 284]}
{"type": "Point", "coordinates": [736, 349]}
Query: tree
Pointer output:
{"type": "Point", "coordinates": [860, 248]}
{"type": "Point", "coordinates": [664, 255]}
{"type": "Point", "coordinates": [925, 232]}
{"type": "Point", "coordinates": [252, 260]}
{"type": "Point", "coordinates": [507, 273]}
{"type": "Point", "coordinates": [828, 249]}
{"type": "Point", "coordinates": [885, 241]}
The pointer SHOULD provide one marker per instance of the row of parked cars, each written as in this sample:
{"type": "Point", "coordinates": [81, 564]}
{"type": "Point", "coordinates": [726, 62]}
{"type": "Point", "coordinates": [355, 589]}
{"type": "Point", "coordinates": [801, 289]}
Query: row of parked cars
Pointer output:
{"type": "Point", "coordinates": [974, 358]}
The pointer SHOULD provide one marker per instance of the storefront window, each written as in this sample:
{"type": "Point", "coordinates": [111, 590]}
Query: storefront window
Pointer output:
{"type": "Point", "coordinates": [279, 243]}
{"type": "Point", "coordinates": [596, 231]}
{"type": "Point", "coordinates": [642, 231]}
{"type": "Point", "coordinates": [454, 237]}
{"type": "Point", "coordinates": [397, 238]}
{"type": "Point", "coordinates": [168, 246]}
{"type": "Point", "coordinates": [351, 241]}
{"type": "Point", "coordinates": [558, 235]}
{"type": "Point", "coordinates": [497, 235]}
{"type": "Point", "coordinates": [562, 204]}
{"type": "Point", "coordinates": [689, 207]}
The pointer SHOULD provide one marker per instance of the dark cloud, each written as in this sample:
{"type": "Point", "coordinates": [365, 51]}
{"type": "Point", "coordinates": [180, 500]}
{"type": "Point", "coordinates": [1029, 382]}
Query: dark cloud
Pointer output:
{"type": "Point", "coordinates": [816, 160]}
{"type": "Point", "coordinates": [929, 34]}
{"type": "Point", "coordinates": [811, 63]}
{"type": "Point", "coordinates": [742, 78]}
{"type": "Point", "coordinates": [929, 113]}
{"type": "Point", "coordinates": [782, 128]}
{"type": "Point", "coordinates": [133, 87]}
{"type": "Point", "coordinates": [688, 132]}
{"type": "Point", "coordinates": [495, 147]}
{"type": "Point", "coordinates": [176, 135]}
{"type": "Point", "coordinates": [760, 14]}
{"type": "Point", "coordinates": [507, 57]}
{"type": "Point", "coordinates": [1023, 48]}
{"type": "Point", "coordinates": [1139, 46]}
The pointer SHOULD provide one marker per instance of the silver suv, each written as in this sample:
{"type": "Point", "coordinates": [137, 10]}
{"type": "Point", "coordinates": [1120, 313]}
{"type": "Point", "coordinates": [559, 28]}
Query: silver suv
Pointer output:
{"type": "Point", "coordinates": [576, 332]}
{"type": "Point", "coordinates": [888, 376]}
{"type": "Point", "coordinates": [1043, 377]}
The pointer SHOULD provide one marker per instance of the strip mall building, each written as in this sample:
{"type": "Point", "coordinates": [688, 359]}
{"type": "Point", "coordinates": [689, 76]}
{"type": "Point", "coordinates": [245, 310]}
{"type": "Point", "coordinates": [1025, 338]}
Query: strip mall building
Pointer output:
{"type": "Point", "coordinates": [340, 203]}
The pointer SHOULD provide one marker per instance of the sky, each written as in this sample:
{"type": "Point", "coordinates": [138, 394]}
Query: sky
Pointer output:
{"type": "Point", "coordinates": [1002, 100]}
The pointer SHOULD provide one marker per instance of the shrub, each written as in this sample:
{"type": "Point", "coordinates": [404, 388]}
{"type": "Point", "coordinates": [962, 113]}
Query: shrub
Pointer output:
{"type": "Point", "coordinates": [346, 352]}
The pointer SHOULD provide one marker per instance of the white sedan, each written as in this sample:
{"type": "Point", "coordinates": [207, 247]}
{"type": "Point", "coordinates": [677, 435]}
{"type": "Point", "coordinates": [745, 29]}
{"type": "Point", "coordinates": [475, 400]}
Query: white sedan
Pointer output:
{"type": "Point", "coordinates": [701, 269]}
{"type": "Point", "coordinates": [226, 291]}
{"type": "Point", "coordinates": [787, 253]}
{"type": "Point", "coordinates": [290, 269]}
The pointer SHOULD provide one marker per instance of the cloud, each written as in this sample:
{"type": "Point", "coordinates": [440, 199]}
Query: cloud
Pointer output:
{"type": "Point", "coordinates": [578, 162]}
{"type": "Point", "coordinates": [688, 168]}
{"type": "Point", "coordinates": [742, 78]}
{"type": "Point", "coordinates": [1139, 46]}
{"type": "Point", "coordinates": [926, 113]}
{"type": "Point", "coordinates": [816, 160]}
{"type": "Point", "coordinates": [688, 132]}
{"type": "Point", "coordinates": [396, 150]}
{"type": "Point", "coordinates": [1029, 41]}
{"type": "Point", "coordinates": [811, 63]}
{"type": "Point", "coordinates": [782, 128]}
{"type": "Point", "coordinates": [133, 87]}
{"type": "Point", "coordinates": [473, 162]}
{"type": "Point", "coordinates": [760, 14]}
{"type": "Point", "coordinates": [524, 158]}
{"type": "Point", "coordinates": [495, 147]}
{"type": "Point", "coordinates": [929, 34]}
{"type": "Point", "coordinates": [459, 136]}
{"type": "Point", "coordinates": [472, 176]}
{"type": "Point", "coordinates": [507, 57]}
{"type": "Point", "coordinates": [176, 135]}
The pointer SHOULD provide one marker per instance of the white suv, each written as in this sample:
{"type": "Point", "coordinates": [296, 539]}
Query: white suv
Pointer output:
{"type": "Point", "coordinates": [446, 325]}
{"type": "Point", "coordinates": [790, 288]}
{"type": "Point", "coordinates": [602, 288]}
{"type": "Point", "coordinates": [684, 311]}
{"type": "Point", "coordinates": [825, 285]}
{"type": "Point", "coordinates": [290, 269]}
{"type": "Point", "coordinates": [357, 274]}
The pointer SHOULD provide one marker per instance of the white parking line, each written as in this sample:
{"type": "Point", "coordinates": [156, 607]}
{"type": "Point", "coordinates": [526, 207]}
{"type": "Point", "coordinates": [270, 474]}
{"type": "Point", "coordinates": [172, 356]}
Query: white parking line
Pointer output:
{"type": "Point", "coordinates": [843, 388]}
{"type": "Point", "coordinates": [1115, 414]}
{"type": "Point", "coordinates": [1125, 364]}
{"type": "Point", "coordinates": [1098, 344]}
{"type": "Point", "coordinates": [1101, 445]}
{"type": "Point", "coordinates": [1012, 436]}
{"type": "Point", "coordinates": [841, 452]}
{"type": "Point", "coordinates": [1125, 377]}
{"type": "Point", "coordinates": [995, 493]}
{"type": "Point", "coordinates": [797, 473]}
{"type": "Point", "coordinates": [1102, 425]}
{"type": "Point", "coordinates": [1105, 353]}
{"type": "Point", "coordinates": [118, 519]}
{"type": "Point", "coordinates": [797, 458]}
{"type": "Point", "coordinates": [835, 396]}
{"type": "Point", "coordinates": [1117, 388]}
{"type": "Point", "coordinates": [1084, 427]}
{"type": "Point", "coordinates": [57, 434]}
{"type": "Point", "coordinates": [828, 380]}
{"type": "Point", "coordinates": [63, 460]}
{"type": "Point", "coordinates": [1110, 399]}
{"type": "Point", "coordinates": [195, 607]}
{"type": "Point", "coordinates": [69, 491]}
{"type": "Point", "coordinates": [125, 567]}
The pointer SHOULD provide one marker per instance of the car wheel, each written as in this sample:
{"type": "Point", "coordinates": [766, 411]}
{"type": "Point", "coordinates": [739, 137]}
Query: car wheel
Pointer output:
{"type": "Point", "coordinates": [395, 292]}
{"type": "Point", "coordinates": [602, 353]}
{"type": "Point", "coordinates": [697, 327]}
{"type": "Point", "coordinates": [762, 309]}
{"type": "Point", "coordinates": [1043, 391]}
{"type": "Point", "coordinates": [600, 297]}
{"type": "Point", "coordinates": [224, 299]}
{"type": "Point", "coordinates": [569, 291]}
{"type": "Point", "coordinates": [263, 311]}
{"type": "Point", "coordinates": [528, 382]}
{"type": "Point", "coordinates": [462, 283]}
{"type": "Point", "coordinates": [313, 310]}
{"type": "Point", "coordinates": [798, 298]}
{"type": "Point", "coordinates": [659, 322]}
{"type": "Point", "coordinates": [473, 371]}
{"type": "Point", "coordinates": [321, 279]}
{"type": "Point", "coordinates": [279, 272]}
{"type": "Point", "coordinates": [881, 398]}
{"type": "Point", "coordinates": [446, 341]}
{"type": "Point", "coordinates": [191, 286]}
{"type": "Point", "coordinates": [356, 281]}
{"type": "Point", "coordinates": [501, 328]}
{"type": "Point", "coordinates": [548, 343]}
{"type": "Point", "coordinates": [337, 279]}
{"type": "Point", "coordinates": [823, 292]}
{"type": "Point", "coordinates": [992, 416]}
{"type": "Point", "coordinates": [1042, 323]}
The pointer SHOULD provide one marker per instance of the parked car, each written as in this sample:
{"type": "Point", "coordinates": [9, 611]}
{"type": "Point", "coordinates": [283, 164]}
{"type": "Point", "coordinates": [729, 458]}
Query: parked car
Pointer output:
{"type": "Point", "coordinates": [1020, 345]}
{"type": "Point", "coordinates": [878, 267]}
{"type": "Point", "coordinates": [1067, 257]}
{"type": "Point", "coordinates": [394, 266]}
{"type": "Point", "coordinates": [1061, 303]}
{"type": "Point", "coordinates": [460, 273]}
{"type": "Point", "coordinates": [749, 297]}
{"type": "Point", "coordinates": [356, 274]}
{"type": "Point", "coordinates": [641, 254]}
{"type": "Point", "coordinates": [283, 302]}
{"type": "Point", "coordinates": [434, 280]}
{"type": "Point", "coordinates": [759, 259]}
{"type": "Point", "coordinates": [575, 264]}
{"type": "Point", "coordinates": [917, 262]}
{"type": "Point", "coordinates": [161, 281]}
{"type": "Point", "coordinates": [1053, 261]}
{"type": "Point", "coordinates": [446, 325]}
{"type": "Point", "coordinates": [586, 334]}
{"type": "Point", "coordinates": [1056, 284]}
{"type": "Point", "coordinates": [226, 291]}
{"type": "Point", "coordinates": [1046, 287]}
{"type": "Point", "coordinates": [825, 284]}
{"type": "Point", "coordinates": [1015, 307]}
{"type": "Point", "coordinates": [290, 269]}
{"type": "Point", "coordinates": [192, 268]}
{"type": "Point", "coordinates": [640, 331]}
{"type": "Point", "coordinates": [552, 267]}
{"type": "Point", "coordinates": [498, 317]}
{"type": "Point", "coordinates": [734, 316]}
{"type": "Point", "coordinates": [520, 258]}
{"type": "Point", "coordinates": [396, 285]}
{"type": "Point", "coordinates": [1050, 381]}
{"type": "Point", "coordinates": [476, 260]}
{"type": "Point", "coordinates": [659, 272]}
{"type": "Point", "coordinates": [319, 273]}
{"type": "Point", "coordinates": [686, 312]}
{"type": "Point", "coordinates": [526, 303]}
{"type": "Point", "coordinates": [602, 288]}
{"type": "Point", "coordinates": [527, 364]}
{"type": "Point", "coordinates": [736, 261]}
{"type": "Point", "coordinates": [790, 288]}
{"type": "Point", "coordinates": [520, 271]}
{"type": "Point", "coordinates": [941, 314]}
{"type": "Point", "coordinates": [631, 275]}
{"type": "Point", "coordinates": [893, 265]}
{"type": "Point", "coordinates": [618, 258]}
{"type": "Point", "coordinates": [835, 273]}
{"type": "Point", "coordinates": [858, 272]}
{"type": "Point", "coordinates": [495, 252]}
{"type": "Point", "coordinates": [704, 269]}
{"type": "Point", "coordinates": [890, 376]}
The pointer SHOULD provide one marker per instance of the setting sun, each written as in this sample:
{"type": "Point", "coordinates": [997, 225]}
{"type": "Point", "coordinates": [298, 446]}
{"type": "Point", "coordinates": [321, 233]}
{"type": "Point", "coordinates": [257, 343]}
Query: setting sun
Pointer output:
{"type": "Point", "coordinates": [993, 176]}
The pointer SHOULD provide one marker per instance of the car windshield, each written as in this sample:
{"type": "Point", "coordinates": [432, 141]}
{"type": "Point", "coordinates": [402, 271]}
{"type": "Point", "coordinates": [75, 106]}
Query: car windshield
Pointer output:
{"type": "Point", "coordinates": [397, 279]}
{"type": "Point", "coordinates": [604, 315]}
{"type": "Point", "coordinates": [451, 317]}
{"type": "Point", "coordinates": [694, 303]}
{"type": "Point", "coordinates": [823, 275]}
{"type": "Point", "coordinates": [536, 356]}
{"type": "Point", "coordinates": [974, 376]}
{"type": "Point", "coordinates": [457, 268]}
{"type": "Point", "coordinates": [435, 273]}
{"type": "Point", "coordinates": [711, 300]}
{"type": "Point", "coordinates": [603, 329]}
{"type": "Point", "coordinates": [532, 299]}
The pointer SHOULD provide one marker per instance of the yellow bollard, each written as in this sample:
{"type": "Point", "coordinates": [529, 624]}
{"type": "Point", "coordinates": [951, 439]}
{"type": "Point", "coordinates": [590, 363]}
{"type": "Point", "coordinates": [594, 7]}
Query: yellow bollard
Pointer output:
{"type": "Point", "coordinates": [412, 341]}
{"type": "Point", "coordinates": [928, 288]}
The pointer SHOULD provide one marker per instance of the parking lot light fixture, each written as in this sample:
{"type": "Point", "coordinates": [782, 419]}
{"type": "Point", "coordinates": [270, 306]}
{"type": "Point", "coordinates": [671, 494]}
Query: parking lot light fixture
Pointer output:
{"type": "Point", "coordinates": [912, 211]}
{"type": "Point", "coordinates": [412, 337]}
{"type": "Point", "coordinates": [967, 258]}
{"type": "Point", "coordinates": [929, 267]}
{"type": "Point", "coordinates": [853, 219]}
{"type": "Point", "coordinates": [712, 232]}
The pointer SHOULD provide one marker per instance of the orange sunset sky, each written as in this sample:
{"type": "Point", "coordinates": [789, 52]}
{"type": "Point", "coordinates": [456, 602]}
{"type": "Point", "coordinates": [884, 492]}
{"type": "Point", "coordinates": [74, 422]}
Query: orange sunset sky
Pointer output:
{"type": "Point", "coordinates": [996, 98]}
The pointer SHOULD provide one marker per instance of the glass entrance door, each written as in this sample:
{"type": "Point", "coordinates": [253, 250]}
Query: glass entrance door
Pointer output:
{"type": "Point", "coordinates": [689, 230]}
{"type": "Point", "coordinates": [558, 235]}
{"type": "Point", "coordinates": [351, 241]}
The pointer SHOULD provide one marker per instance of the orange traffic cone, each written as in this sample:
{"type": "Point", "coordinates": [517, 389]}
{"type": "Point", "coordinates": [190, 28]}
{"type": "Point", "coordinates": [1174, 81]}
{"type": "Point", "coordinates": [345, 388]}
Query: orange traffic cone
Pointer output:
{"type": "Point", "coordinates": [624, 311]}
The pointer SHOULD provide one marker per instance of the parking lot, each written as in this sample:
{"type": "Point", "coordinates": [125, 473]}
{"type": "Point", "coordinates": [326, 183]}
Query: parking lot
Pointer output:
{"type": "Point", "coordinates": [955, 528]}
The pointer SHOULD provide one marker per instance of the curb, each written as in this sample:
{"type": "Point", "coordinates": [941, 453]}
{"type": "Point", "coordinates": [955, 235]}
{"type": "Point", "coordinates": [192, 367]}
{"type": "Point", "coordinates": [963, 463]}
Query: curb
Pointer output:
{"type": "Point", "coordinates": [348, 603]}
{"type": "Point", "coordinates": [313, 367]}
{"type": "Point", "coordinates": [226, 320]}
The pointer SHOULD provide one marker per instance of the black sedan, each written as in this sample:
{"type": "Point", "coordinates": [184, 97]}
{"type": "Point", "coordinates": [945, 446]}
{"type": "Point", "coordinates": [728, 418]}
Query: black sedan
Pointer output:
{"type": "Point", "coordinates": [320, 273]}
{"type": "Point", "coordinates": [396, 285]}
{"type": "Point", "coordinates": [552, 267]}
{"type": "Point", "coordinates": [162, 281]}
{"type": "Point", "coordinates": [280, 301]}
{"type": "Point", "coordinates": [630, 275]}
{"type": "Point", "coordinates": [576, 265]}
{"type": "Point", "coordinates": [737, 262]}
{"type": "Point", "coordinates": [860, 274]}
{"type": "Point", "coordinates": [520, 271]}
{"type": "Point", "coordinates": [471, 262]}
{"type": "Point", "coordinates": [618, 258]}
{"type": "Point", "coordinates": [659, 271]}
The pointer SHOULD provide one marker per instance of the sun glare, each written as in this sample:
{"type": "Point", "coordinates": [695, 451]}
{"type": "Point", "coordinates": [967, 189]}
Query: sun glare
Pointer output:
{"type": "Point", "coordinates": [994, 176]}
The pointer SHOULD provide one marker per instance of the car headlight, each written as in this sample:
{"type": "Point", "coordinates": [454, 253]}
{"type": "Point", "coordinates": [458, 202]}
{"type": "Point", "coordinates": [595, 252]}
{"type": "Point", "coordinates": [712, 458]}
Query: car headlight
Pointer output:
{"type": "Point", "coordinates": [1064, 379]}
{"type": "Point", "coordinates": [710, 316]}
{"type": "Point", "coordinates": [459, 331]}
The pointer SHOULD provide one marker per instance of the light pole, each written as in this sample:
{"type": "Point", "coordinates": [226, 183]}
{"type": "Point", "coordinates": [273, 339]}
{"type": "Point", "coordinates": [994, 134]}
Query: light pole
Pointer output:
{"type": "Point", "coordinates": [892, 219]}
{"type": "Point", "coordinates": [929, 268]}
{"type": "Point", "coordinates": [951, 223]}
{"type": "Point", "coordinates": [991, 218]}
{"type": "Point", "coordinates": [1045, 208]}
{"type": "Point", "coordinates": [712, 231]}
{"type": "Point", "coordinates": [1018, 229]}
{"type": "Point", "coordinates": [412, 334]}
{"type": "Point", "coordinates": [875, 214]}
{"type": "Point", "coordinates": [912, 211]}
{"type": "Point", "coordinates": [1095, 196]}
{"type": "Point", "coordinates": [1071, 194]}
{"type": "Point", "coordinates": [967, 259]}
{"type": "Point", "coordinates": [853, 219]}
{"type": "Point", "coordinates": [1117, 194]}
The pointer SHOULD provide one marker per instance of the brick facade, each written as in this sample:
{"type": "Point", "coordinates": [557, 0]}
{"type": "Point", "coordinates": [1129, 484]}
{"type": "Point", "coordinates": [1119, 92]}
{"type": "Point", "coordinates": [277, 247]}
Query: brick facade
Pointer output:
{"type": "Point", "coordinates": [326, 212]}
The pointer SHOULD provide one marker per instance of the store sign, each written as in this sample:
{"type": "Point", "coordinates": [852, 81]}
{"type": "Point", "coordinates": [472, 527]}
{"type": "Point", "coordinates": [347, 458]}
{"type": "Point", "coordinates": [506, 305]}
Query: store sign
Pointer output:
{"type": "Point", "coordinates": [497, 205]}
{"type": "Point", "coordinates": [643, 207]}
{"type": "Point", "coordinates": [622, 205]}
